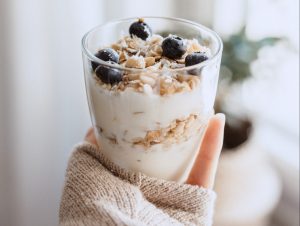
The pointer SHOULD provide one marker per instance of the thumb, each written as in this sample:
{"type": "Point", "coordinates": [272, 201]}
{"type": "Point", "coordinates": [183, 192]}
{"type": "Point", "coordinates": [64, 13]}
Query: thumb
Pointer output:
{"type": "Point", "coordinates": [204, 170]}
{"type": "Point", "coordinates": [90, 137]}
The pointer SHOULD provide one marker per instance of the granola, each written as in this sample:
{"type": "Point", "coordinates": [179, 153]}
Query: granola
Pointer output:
{"type": "Point", "coordinates": [147, 54]}
{"type": "Point", "coordinates": [178, 131]}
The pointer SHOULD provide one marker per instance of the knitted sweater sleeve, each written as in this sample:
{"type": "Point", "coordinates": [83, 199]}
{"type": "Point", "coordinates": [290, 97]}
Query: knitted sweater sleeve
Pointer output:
{"type": "Point", "coordinates": [97, 192]}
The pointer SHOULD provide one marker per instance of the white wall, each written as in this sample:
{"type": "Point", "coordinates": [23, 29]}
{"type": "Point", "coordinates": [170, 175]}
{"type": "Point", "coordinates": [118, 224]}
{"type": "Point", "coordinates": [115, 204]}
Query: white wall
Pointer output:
{"type": "Point", "coordinates": [45, 104]}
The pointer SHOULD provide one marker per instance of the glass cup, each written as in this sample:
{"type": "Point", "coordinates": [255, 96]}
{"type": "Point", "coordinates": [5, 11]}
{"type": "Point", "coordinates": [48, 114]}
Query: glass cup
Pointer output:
{"type": "Point", "coordinates": [153, 129]}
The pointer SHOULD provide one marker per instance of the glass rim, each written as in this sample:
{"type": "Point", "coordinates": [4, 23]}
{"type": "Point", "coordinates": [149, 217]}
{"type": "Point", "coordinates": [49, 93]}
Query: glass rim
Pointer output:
{"type": "Point", "coordinates": [210, 61]}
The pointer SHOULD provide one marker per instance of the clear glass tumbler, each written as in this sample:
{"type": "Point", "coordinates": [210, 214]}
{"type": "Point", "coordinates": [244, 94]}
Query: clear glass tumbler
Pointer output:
{"type": "Point", "coordinates": [156, 131]}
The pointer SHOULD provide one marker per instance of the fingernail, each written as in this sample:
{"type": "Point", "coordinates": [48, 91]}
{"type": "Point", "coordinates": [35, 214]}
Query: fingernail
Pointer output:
{"type": "Point", "coordinates": [221, 117]}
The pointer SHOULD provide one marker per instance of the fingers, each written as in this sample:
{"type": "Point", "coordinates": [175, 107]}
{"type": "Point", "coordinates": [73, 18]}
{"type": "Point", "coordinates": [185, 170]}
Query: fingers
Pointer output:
{"type": "Point", "coordinates": [204, 170]}
{"type": "Point", "coordinates": [90, 137]}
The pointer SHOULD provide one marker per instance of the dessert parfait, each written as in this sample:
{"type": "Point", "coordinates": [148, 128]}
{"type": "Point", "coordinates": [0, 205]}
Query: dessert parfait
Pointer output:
{"type": "Point", "coordinates": [150, 95]}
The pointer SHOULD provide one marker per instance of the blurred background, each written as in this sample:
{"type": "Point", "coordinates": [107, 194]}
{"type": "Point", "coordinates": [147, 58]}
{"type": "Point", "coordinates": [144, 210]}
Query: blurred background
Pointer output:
{"type": "Point", "coordinates": [44, 112]}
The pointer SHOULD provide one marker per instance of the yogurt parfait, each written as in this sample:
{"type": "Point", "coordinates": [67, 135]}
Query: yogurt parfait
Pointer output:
{"type": "Point", "coordinates": [151, 84]}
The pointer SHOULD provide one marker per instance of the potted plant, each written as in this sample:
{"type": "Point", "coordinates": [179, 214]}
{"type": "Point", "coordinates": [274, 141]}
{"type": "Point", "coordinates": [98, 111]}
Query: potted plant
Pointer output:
{"type": "Point", "coordinates": [248, 188]}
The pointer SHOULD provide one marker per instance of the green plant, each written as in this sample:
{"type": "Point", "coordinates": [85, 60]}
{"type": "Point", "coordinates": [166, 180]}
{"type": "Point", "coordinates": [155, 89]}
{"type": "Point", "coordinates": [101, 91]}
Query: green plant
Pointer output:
{"type": "Point", "coordinates": [239, 52]}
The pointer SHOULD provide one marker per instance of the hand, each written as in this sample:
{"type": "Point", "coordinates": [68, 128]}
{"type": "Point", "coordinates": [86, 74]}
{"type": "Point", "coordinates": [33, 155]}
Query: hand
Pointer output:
{"type": "Point", "coordinates": [204, 170]}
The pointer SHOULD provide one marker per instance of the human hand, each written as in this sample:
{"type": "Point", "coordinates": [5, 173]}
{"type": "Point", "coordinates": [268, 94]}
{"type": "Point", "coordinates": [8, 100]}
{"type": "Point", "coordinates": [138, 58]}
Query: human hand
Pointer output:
{"type": "Point", "coordinates": [93, 195]}
{"type": "Point", "coordinates": [204, 169]}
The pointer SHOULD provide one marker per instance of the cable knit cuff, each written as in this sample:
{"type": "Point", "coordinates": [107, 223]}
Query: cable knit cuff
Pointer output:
{"type": "Point", "coordinates": [189, 202]}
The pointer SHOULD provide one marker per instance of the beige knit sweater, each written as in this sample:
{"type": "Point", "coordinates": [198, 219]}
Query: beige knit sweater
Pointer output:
{"type": "Point", "coordinates": [97, 192]}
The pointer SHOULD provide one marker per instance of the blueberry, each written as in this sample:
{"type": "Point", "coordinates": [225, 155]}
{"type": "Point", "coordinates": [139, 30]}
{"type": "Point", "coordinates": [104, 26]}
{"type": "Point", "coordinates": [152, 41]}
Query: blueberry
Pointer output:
{"type": "Point", "coordinates": [195, 58]}
{"type": "Point", "coordinates": [173, 47]}
{"type": "Point", "coordinates": [109, 75]}
{"type": "Point", "coordinates": [140, 29]}
{"type": "Point", "coordinates": [106, 55]}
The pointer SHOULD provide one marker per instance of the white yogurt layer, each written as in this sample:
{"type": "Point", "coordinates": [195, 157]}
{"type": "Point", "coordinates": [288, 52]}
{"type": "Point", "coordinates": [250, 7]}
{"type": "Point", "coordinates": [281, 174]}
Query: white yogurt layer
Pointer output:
{"type": "Point", "coordinates": [123, 117]}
